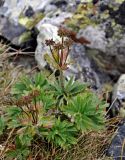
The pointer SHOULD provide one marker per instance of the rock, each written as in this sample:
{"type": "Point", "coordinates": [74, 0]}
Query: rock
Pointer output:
{"type": "Point", "coordinates": [23, 16]}
{"type": "Point", "coordinates": [50, 8]}
{"type": "Point", "coordinates": [108, 53]}
{"type": "Point", "coordinates": [47, 31]}
{"type": "Point", "coordinates": [29, 12]}
{"type": "Point", "coordinates": [15, 34]}
{"type": "Point", "coordinates": [116, 149]}
{"type": "Point", "coordinates": [14, 7]}
{"type": "Point", "coordinates": [96, 36]}
{"type": "Point", "coordinates": [21, 31]}
{"type": "Point", "coordinates": [82, 67]}
{"type": "Point", "coordinates": [118, 98]}
{"type": "Point", "coordinates": [115, 56]}
{"type": "Point", "coordinates": [119, 14]}
{"type": "Point", "coordinates": [1, 3]}
{"type": "Point", "coordinates": [119, 89]}
{"type": "Point", "coordinates": [60, 4]}
{"type": "Point", "coordinates": [55, 18]}
{"type": "Point", "coordinates": [65, 5]}
{"type": "Point", "coordinates": [12, 32]}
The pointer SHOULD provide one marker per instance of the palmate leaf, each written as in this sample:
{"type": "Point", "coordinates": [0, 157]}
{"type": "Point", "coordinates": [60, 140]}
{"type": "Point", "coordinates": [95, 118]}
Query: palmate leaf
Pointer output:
{"type": "Point", "coordinates": [13, 112]}
{"type": "Point", "coordinates": [39, 80]}
{"type": "Point", "coordinates": [55, 88]}
{"type": "Point", "coordinates": [87, 111]}
{"type": "Point", "coordinates": [62, 134]}
{"type": "Point", "coordinates": [47, 100]}
{"type": "Point", "coordinates": [71, 89]}
{"type": "Point", "coordinates": [21, 86]}
{"type": "Point", "coordinates": [28, 84]}
{"type": "Point", "coordinates": [12, 116]}
{"type": "Point", "coordinates": [25, 135]}
{"type": "Point", "coordinates": [74, 87]}
{"type": "Point", "coordinates": [21, 152]}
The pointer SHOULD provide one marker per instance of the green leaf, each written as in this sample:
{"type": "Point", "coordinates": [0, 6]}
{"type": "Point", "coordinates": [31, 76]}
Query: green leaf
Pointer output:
{"type": "Point", "coordinates": [71, 89]}
{"type": "Point", "coordinates": [2, 124]}
{"type": "Point", "coordinates": [13, 123]}
{"type": "Point", "coordinates": [62, 134]}
{"type": "Point", "coordinates": [87, 111]}
{"type": "Point", "coordinates": [51, 61]}
{"type": "Point", "coordinates": [26, 135]}
{"type": "Point", "coordinates": [13, 111]}
{"type": "Point", "coordinates": [47, 121]}
{"type": "Point", "coordinates": [20, 154]}
{"type": "Point", "coordinates": [29, 84]}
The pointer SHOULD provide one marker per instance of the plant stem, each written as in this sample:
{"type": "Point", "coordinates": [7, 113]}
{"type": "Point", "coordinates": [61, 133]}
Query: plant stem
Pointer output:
{"type": "Point", "coordinates": [62, 79]}
{"type": "Point", "coordinates": [61, 59]}
{"type": "Point", "coordinates": [36, 112]}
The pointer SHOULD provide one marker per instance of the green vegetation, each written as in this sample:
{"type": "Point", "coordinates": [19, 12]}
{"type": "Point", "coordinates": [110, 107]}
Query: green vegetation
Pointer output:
{"type": "Point", "coordinates": [50, 115]}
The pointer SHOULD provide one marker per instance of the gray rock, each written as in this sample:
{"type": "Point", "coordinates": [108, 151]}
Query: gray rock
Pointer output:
{"type": "Point", "coordinates": [16, 12]}
{"type": "Point", "coordinates": [17, 34]}
{"type": "Point", "coordinates": [96, 36]}
{"type": "Point", "coordinates": [108, 53]}
{"type": "Point", "coordinates": [118, 98]}
{"type": "Point", "coordinates": [55, 17]}
{"type": "Point", "coordinates": [117, 107]}
{"type": "Point", "coordinates": [47, 31]}
{"type": "Point", "coordinates": [82, 68]}
{"type": "Point", "coordinates": [10, 31]}
{"type": "Point", "coordinates": [119, 89]}
{"type": "Point", "coordinates": [116, 149]}
{"type": "Point", "coordinates": [15, 7]}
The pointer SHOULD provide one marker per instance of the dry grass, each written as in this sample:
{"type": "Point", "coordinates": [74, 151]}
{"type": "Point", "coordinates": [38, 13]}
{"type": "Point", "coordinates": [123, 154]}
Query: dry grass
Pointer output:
{"type": "Point", "coordinates": [11, 69]}
{"type": "Point", "coordinates": [91, 146]}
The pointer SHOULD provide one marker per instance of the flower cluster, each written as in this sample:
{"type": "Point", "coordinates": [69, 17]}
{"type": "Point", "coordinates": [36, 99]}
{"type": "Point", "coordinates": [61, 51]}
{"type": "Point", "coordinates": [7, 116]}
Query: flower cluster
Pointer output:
{"type": "Point", "coordinates": [60, 50]}
{"type": "Point", "coordinates": [24, 100]}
